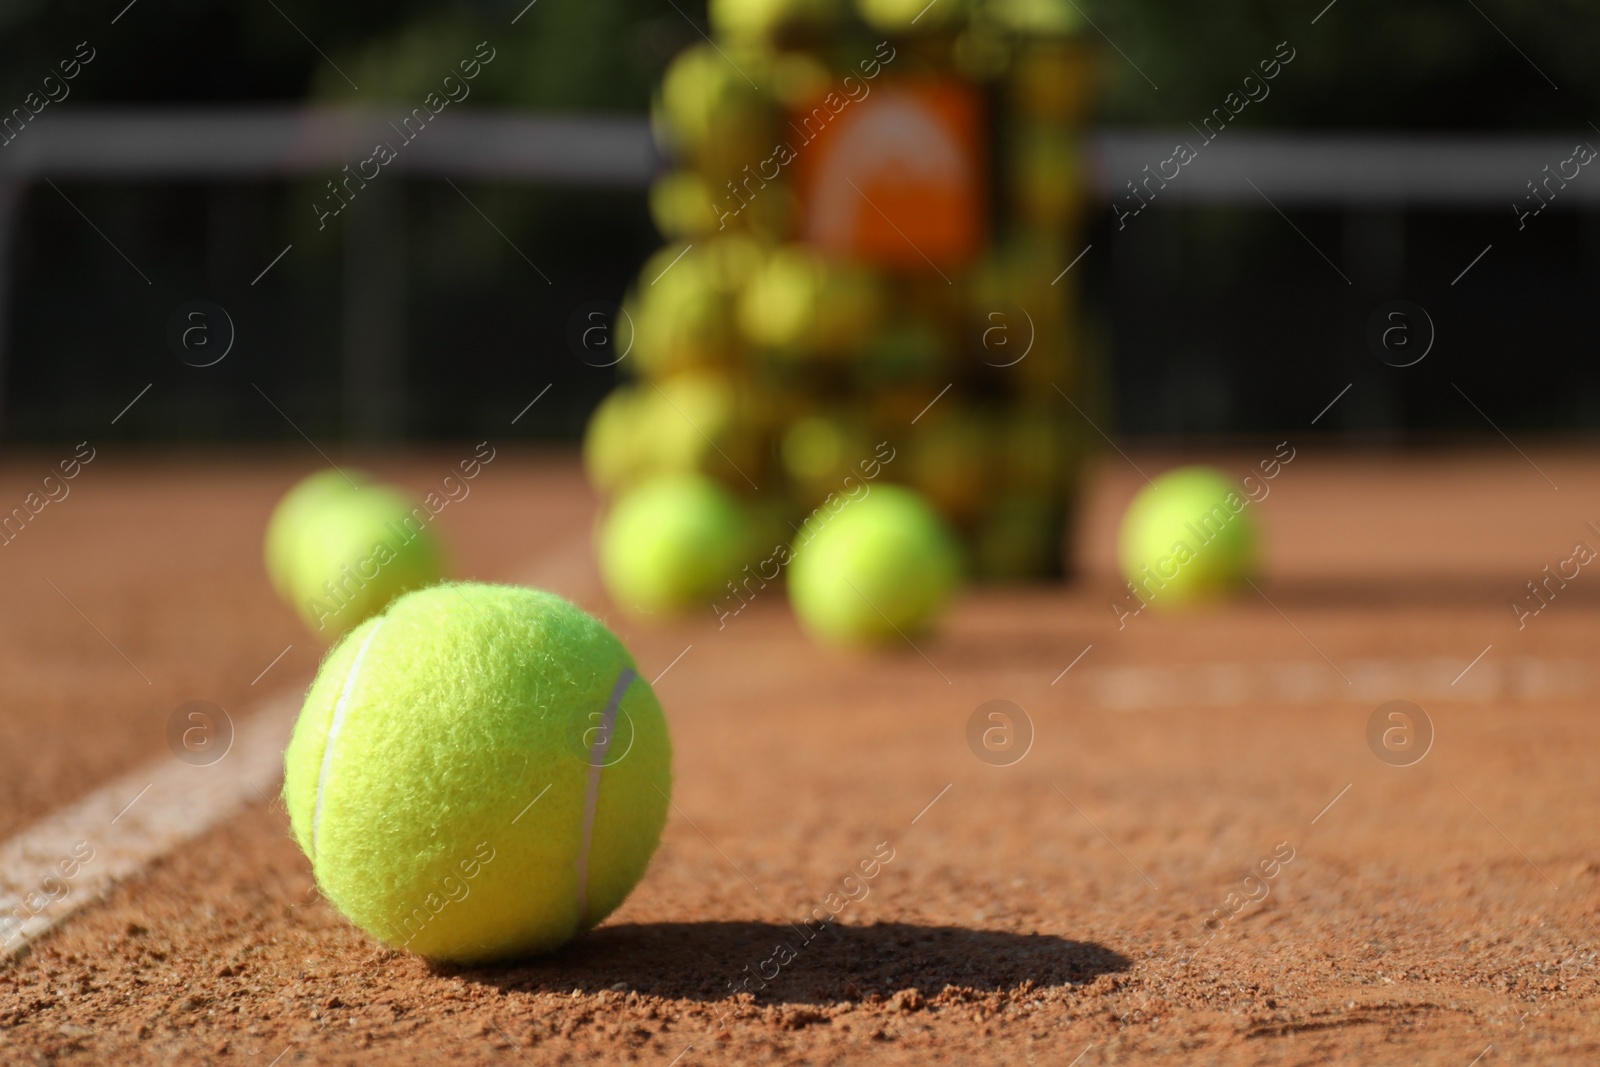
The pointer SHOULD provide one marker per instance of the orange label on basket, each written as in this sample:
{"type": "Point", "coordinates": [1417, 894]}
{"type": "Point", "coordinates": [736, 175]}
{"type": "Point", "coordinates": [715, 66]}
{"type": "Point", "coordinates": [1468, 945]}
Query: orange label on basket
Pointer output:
{"type": "Point", "coordinates": [895, 178]}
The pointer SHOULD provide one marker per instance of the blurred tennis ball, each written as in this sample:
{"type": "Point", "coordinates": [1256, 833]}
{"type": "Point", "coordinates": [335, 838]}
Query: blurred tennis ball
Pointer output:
{"type": "Point", "coordinates": [1187, 538]}
{"type": "Point", "coordinates": [293, 511]}
{"type": "Point", "coordinates": [614, 453]}
{"type": "Point", "coordinates": [881, 567]}
{"type": "Point", "coordinates": [820, 451]}
{"type": "Point", "coordinates": [350, 553]}
{"type": "Point", "coordinates": [672, 544]}
{"type": "Point", "coordinates": [682, 318]}
{"type": "Point", "coordinates": [778, 306]}
{"type": "Point", "coordinates": [800, 301]}
{"type": "Point", "coordinates": [730, 260]}
{"type": "Point", "coordinates": [708, 109]}
{"type": "Point", "coordinates": [681, 205]}
{"type": "Point", "coordinates": [690, 423]}
{"type": "Point", "coordinates": [694, 424]}
{"type": "Point", "coordinates": [800, 78]}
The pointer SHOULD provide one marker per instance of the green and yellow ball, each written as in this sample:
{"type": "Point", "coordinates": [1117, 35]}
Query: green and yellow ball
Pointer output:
{"type": "Point", "coordinates": [478, 773]}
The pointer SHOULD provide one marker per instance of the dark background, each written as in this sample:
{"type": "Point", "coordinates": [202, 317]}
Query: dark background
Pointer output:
{"type": "Point", "coordinates": [1211, 321]}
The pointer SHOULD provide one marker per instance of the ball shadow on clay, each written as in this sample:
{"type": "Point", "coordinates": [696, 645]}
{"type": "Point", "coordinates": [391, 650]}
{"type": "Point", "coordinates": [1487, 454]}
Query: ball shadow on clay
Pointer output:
{"type": "Point", "coordinates": [780, 964]}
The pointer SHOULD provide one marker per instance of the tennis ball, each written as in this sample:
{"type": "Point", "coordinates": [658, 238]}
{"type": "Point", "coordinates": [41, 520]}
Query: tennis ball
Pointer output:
{"type": "Point", "coordinates": [799, 300]}
{"type": "Point", "coordinates": [693, 423]}
{"type": "Point", "coordinates": [880, 566]}
{"type": "Point", "coordinates": [479, 772]}
{"type": "Point", "coordinates": [350, 553]}
{"type": "Point", "coordinates": [672, 543]}
{"type": "Point", "coordinates": [779, 305]}
{"type": "Point", "coordinates": [614, 453]}
{"type": "Point", "coordinates": [820, 451]}
{"type": "Point", "coordinates": [291, 513]}
{"type": "Point", "coordinates": [682, 320]}
{"type": "Point", "coordinates": [707, 109]}
{"type": "Point", "coordinates": [800, 78]}
{"type": "Point", "coordinates": [730, 259]}
{"type": "Point", "coordinates": [680, 205]}
{"type": "Point", "coordinates": [1186, 537]}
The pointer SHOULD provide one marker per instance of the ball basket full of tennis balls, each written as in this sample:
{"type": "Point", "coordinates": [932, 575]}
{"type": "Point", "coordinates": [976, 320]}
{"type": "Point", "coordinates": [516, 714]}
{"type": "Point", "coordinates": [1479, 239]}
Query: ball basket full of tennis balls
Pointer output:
{"type": "Point", "coordinates": [842, 376]}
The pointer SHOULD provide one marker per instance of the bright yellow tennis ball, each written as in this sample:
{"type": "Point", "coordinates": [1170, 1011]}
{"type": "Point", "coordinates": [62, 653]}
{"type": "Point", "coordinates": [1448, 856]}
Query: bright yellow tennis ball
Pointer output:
{"type": "Point", "coordinates": [874, 570]}
{"type": "Point", "coordinates": [478, 773]}
{"type": "Point", "coordinates": [1187, 537]}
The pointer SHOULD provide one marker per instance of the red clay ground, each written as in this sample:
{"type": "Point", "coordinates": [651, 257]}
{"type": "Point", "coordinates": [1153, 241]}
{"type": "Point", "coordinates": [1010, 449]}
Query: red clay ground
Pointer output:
{"type": "Point", "coordinates": [1050, 911]}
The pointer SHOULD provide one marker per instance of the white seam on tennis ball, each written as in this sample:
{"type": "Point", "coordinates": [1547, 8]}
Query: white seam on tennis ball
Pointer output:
{"type": "Point", "coordinates": [591, 799]}
{"type": "Point", "coordinates": [339, 711]}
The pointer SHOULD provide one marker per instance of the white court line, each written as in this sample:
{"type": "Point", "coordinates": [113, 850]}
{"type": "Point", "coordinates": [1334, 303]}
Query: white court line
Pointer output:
{"type": "Point", "coordinates": [178, 802]}
{"type": "Point", "coordinates": [174, 803]}
{"type": "Point", "coordinates": [1218, 684]}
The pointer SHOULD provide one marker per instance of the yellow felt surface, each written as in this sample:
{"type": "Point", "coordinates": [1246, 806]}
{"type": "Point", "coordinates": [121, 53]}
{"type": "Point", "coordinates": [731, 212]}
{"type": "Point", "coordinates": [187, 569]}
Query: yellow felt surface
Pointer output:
{"type": "Point", "coordinates": [452, 803]}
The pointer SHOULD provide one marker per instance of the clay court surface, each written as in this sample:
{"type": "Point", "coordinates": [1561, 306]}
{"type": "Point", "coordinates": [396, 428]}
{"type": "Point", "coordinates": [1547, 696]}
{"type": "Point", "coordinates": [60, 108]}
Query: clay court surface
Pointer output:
{"type": "Point", "coordinates": [1059, 910]}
